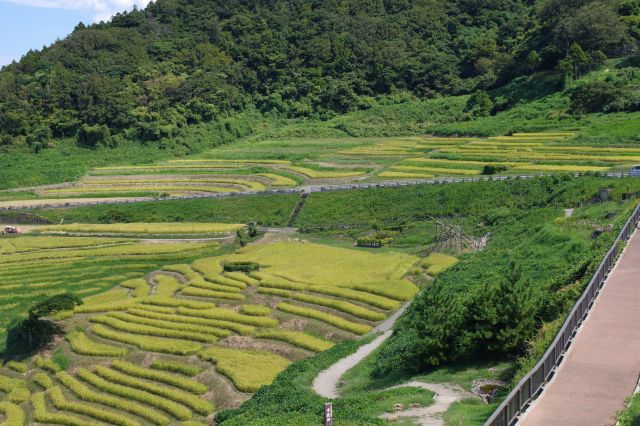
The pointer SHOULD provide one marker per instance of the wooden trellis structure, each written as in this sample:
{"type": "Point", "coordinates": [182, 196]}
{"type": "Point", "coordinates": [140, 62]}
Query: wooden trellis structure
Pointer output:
{"type": "Point", "coordinates": [453, 238]}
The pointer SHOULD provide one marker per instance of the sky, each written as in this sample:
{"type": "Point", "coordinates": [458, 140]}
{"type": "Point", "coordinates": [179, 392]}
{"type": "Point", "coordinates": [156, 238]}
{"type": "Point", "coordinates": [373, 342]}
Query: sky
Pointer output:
{"type": "Point", "coordinates": [32, 24]}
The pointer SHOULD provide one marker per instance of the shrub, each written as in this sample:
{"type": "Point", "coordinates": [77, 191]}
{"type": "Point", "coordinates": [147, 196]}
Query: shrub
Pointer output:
{"type": "Point", "coordinates": [594, 96]}
{"type": "Point", "coordinates": [256, 310]}
{"type": "Point", "coordinates": [243, 266]}
{"type": "Point", "coordinates": [194, 402]}
{"type": "Point", "coordinates": [153, 344]}
{"type": "Point", "coordinates": [97, 413]}
{"type": "Point", "coordinates": [13, 414]}
{"type": "Point", "coordinates": [493, 169]}
{"type": "Point", "coordinates": [296, 338]}
{"type": "Point", "coordinates": [93, 136]}
{"type": "Point", "coordinates": [161, 376]}
{"type": "Point", "coordinates": [176, 410]}
{"type": "Point", "coordinates": [86, 394]}
{"type": "Point", "coordinates": [330, 319]}
{"type": "Point", "coordinates": [176, 367]}
{"type": "Point", "coordinates": [340, 305]}
{"type": "Point", "coordinates": [248, 370]}
{"type": "Point", "coordinates": [81, 344]}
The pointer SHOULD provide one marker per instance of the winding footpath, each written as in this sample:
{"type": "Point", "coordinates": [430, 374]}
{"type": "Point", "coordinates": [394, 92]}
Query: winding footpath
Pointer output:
{"type": "Point", "coordinates": [601, 367]}
{"type": "Point", "coordinates": [326, 383]}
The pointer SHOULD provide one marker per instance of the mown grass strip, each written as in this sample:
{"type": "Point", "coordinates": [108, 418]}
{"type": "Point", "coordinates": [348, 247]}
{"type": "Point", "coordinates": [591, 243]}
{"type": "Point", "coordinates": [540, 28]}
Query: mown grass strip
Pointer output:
{"type": "Point", "coordinates": [330, 319]}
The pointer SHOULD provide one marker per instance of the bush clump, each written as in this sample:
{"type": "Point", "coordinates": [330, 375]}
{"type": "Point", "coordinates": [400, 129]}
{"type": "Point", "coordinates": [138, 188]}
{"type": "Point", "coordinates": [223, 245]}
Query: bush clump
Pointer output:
{"type": "Point", "coordinates": [245, 267]}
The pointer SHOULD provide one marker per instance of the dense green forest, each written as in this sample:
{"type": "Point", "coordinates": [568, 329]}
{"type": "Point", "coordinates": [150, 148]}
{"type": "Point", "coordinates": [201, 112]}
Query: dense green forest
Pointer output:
{"type": "Point", "coordinates": [148, 74]}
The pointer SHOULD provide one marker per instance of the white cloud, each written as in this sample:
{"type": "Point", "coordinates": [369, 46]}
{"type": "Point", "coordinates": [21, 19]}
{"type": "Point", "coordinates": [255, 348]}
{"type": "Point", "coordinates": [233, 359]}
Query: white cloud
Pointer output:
{"type": "Point", "coordinates": [102, 10]}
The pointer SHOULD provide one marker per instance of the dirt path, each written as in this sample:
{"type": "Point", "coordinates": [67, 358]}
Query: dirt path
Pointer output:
{"type": "Point", "coordinates": [431, 415]}
{"type": "Point", "coordinates": [601, 367]}
{"type": "Point", "coordinates": [275, 234]}
{"type": "Point", "coordinates": [326, 383]}
{"type": "Point", "coordinates": [60, 202]}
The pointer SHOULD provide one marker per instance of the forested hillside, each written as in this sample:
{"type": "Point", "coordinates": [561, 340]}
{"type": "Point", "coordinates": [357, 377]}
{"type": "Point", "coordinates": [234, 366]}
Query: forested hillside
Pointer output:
{"type": "Point", "coordinates": [148, 74]}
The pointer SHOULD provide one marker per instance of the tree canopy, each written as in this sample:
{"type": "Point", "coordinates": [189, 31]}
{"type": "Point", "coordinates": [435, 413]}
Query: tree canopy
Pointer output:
{"type": "Point", "coordinates": [147, 74]}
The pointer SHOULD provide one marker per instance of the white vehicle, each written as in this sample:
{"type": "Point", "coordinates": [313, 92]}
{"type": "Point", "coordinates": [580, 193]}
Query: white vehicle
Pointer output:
{"type": "Point", "coordinates": [10, 230]}
{"type": "Point", "coordinates": [635, 171]}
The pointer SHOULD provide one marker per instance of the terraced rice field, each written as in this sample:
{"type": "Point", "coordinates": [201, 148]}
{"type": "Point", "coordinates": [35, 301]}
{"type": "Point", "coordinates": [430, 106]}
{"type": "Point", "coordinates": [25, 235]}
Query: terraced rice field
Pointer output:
{"type": "Point", "coordinates": [33, 268]}
{"type": "Point", "coordinates": [256, 166]}
{"type": "Point", "coordinates": [174, 346]}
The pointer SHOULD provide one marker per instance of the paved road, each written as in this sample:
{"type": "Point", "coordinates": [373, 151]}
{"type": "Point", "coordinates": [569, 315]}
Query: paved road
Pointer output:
{"type": "Point", "coordinates": [601, 368]}
{"type": "Point", "coordinates": [57, 203]}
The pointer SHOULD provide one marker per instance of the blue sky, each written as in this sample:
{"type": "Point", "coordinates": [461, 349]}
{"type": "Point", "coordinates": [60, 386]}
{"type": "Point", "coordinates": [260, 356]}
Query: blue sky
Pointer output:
{"type": "Point", "coordinates": [31, 24]}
